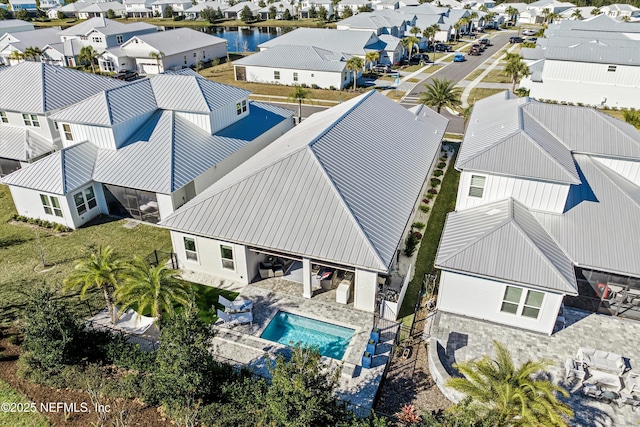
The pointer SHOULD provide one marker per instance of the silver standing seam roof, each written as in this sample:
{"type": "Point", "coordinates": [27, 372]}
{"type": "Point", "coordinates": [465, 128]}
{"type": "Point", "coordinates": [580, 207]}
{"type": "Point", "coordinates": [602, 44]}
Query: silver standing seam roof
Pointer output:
{"type": "Point", "coordinates": [104, 26]}
{"type": "Point", "coordinates": [348, 42]}
{"type": "Point", "coordinates": [297, 58]}
{"type": "Point", "coordinates": [50, 87]}
{"type": "Point", "coordinates": [19, 143]}
{"type": "Point", "coordinates": [175, 41]}
{"type": "Point", "coordinates": [339, 187]}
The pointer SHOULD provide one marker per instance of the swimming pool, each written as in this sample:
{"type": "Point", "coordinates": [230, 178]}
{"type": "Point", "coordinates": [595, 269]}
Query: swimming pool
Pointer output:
{"type": "Point", "coordinates": [287, 328]}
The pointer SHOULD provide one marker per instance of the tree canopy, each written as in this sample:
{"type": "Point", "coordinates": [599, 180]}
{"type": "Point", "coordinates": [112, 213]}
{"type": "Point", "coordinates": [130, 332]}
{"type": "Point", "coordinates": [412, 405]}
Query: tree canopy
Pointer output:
{"type": "Point", "coordinates": [441, 93]}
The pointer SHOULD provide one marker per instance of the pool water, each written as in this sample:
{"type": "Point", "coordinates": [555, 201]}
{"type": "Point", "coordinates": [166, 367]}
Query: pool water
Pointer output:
{"type": "Point", "coordinates": [286, 328]}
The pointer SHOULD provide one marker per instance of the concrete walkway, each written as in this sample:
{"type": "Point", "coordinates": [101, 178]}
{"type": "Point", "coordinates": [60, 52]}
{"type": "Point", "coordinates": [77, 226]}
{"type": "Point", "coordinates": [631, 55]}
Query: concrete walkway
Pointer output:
{"type": "Point", "coordinates": [464, 99]}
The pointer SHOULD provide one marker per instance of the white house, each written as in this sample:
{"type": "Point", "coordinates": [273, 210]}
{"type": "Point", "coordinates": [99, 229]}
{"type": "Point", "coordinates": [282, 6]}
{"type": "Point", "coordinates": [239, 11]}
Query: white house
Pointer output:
{"type": "Point", "coordinates": [381, 22]}
{"type": "Point", "coordinates": [14, 26]}
{"type": "Point", "coordinates": [69, 10]}
{"type": "Point", "coordinates": [295, 65]}
{"type": "Point", "coordinates": [138, 8]}
{"type": "Point", "coordinates": [346, 42]}
{"type": "Point", "coordinates": [17, 43]}
{"type": "Point", "coordinates": [593, 62]}
{"type": "Point", "coordinates": [28, 5]}
{"type": "Point", "coordinates": [178, 48]}
{"type": "Point", "coordinates": [301, 198]}
{"type": "Point", "coordinates": [233, 12]}
{"type": "Point", "coordinates": [102, 10]}
{"type": "Point", "coordinates": [27, 131]}
{"type": "Point", "coordinates": [535, 12]}
{"type": "Point", "coordinates": [621, 10]}
{"type": "Point", "coordinates": [547, 213]}
{"type": "Point", "coordinates": [143, 149]}
{"type": "Point", "coordinates": [195, 11]}
{"type": "Point", "coordinates": [178, 6]}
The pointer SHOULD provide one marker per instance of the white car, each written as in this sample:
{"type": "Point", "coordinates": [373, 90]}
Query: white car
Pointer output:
{"type": "Point", "coordinates": [529, 32]}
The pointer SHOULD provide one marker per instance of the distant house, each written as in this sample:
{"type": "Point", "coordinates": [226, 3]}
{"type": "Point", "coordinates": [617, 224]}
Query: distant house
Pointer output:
{"type": "Point", "coordinates": [101, 10]}
{"type": "Point", "coordinates": [621, 10]}
{"type": "Point", "coordinates": [143, 149]}
{"type": "Point", "coordinates": [593, 62]}
{"type": "Point", "coordinates": [295, 65]}
{"type": "Point", "coordinates": [280, 8]}
{"type": "Point", "coordinates": [546, 214]}
{"type": "Point", "coordinates": [17, 43]}
{"type": "Point", "coordinates": [195, 11]}
{"type": "Point", "coordinates": [69, 10]}
{"type": "Point", "coordinates": [28, 5]}
{"type": "Point", "coordinates": [138, 8]}
{"type": "Point", "coordinates": [178, 7]}
{"type": "Point", "coordinates": [381, 22]}
{"type": "Point", "coordinates": [179, 48]}
{"type": "Point", "coordinates": [27, 131]}
{"type": "Point", "coordinates": [301, 198]}
{"type": "Point", "coordinates": [535, 12]}
{"type": "Point", "coordinates": [14, 26]}
{"type": "Point", "coordinates": [233, 12]}
{"type": "Point", "coordinates": [346, 42]}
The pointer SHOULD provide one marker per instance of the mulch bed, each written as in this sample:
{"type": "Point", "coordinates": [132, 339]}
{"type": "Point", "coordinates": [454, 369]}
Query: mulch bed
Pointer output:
{"type": "Point", "coordinates": [143, 416]}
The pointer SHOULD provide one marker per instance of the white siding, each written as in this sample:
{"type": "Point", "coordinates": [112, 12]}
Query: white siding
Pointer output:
{"type": "Point", "coordinates": [165, 205]}
{"type": "Point", "coordinates": [45, 130]}
{"type": "Point", "coordinates": [90, 214]}
{"type": "Point", "coordinates": [587, 83]}
{"type": "Point", "coordinates": [122, 131]}
{"type": "Point", "coordinates": [209, 259]}
{"type": "Point", "coordinates": [366, 283]}
{"type": "Point", "coordinates": [482, 299]}
{"type": "Point", "coordinates": [534, 194]}
{"type": "Point", "coordinates": [98, 135]}
{"type": "Point", "coordinates": [323, 79]}
{"type": "Point", "coordinates": [201, 120]}
{"type": "Point", "coordinates": [146, 65]}
{"type": "Point", "coordinates": [28, 204]}
{"type": "Point", "coordinates": [224, 116]}
{"type": "Point", "coordinates": [630, 169]}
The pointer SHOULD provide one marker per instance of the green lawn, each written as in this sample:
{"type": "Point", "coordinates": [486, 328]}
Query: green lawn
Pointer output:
{"type": "Point", "coordinates": [207, 297]}
{"type": "Point", "coordinates": [18, 419]}
{"type": "Point", "coordinates": [474, 74]}
{"type": "Point", "coordinates": [481, 93]}
{"type": "Point", "coordinates": [168, 22]}
{"type": "Point", "coordinates": [19, 255]}
{"type": "Point", "coordinates": [445, 203]}
{"type": "Point", "coordinates": [496, 76]}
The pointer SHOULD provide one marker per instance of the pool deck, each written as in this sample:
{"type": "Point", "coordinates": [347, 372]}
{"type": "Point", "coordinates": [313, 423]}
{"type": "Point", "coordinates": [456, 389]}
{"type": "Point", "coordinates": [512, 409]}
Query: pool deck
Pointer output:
{"type": "Point", "coordinates": [242, 345]}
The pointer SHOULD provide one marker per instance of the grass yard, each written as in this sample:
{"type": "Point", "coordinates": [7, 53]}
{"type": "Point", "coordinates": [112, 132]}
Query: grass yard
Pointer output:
{"type": "Point", "coordinates": [496, 76]}
{"type": "Point", "coordinates": [447, 59]}
{"type": "Point", "coordinates": [445, 203]}
{"type": "Point", "coordinates": [455, 136]}
{"type": "Point", "coordinates": [18, 419]}
{"type": "Point", "coordinates": [474, 74]}
{"type": "Point", "coordinates": [481, 93]}
{"type": "Point", "coordinates": [224, 73]}
{"type": "Point", "coordinates": [618, 114]}
{"type": "Point", "coordinates": [207, 297]}
{"type": "Point", "coordinates": [19, 255]}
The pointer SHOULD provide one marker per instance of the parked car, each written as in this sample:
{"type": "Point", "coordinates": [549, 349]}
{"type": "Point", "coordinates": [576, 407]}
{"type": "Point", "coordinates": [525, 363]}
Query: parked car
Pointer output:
{"type": "Point", "coordinates": [478, 46]}
{"type": "Point", "coordinates": [515, 39]}
{"type": "Point", "coordinates": [382, 68]}
{"type": "Point", "coordinates": [480, 29]}
{"type": "Point", "coordinates": [532, 39]}
{"type": "Point", "coordinates": [529, 32]}
{"type": "Point", "coordinates": [458, 57]}
{"type": "Point", "coordinates": [485, 42]}
{"type": "Point", "coordinates": [419, 58]}
{"type": "Point", "coordinates": [474, 51]}
{"type": "Point", "coordinates": [126, 75]}
{"type": "Point", "coordinates": [441, 47]}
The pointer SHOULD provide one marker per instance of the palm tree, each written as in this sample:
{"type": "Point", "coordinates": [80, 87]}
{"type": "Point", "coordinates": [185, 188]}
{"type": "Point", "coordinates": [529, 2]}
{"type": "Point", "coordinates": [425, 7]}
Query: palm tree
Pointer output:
{"type": "Point", "coordinates": [158, 57]}
{"type": "Point", "coordinates": [32, 52]}
{"type": "Point", "coordinates": [457, 27]}
{"type": "Point", "coordinates": [511, 396]}
{"type": "Point", "coordinates": [576, 14]}
{"type": "Point", "coordinates": [482, 8]}
{"type": "Point", "coordinates": [299, 95]}
{"type": "Point", "coordinates": [101, 269]}
{"type": "Point", "coordinates": [415, 31]}
{"type": "Point", "coordinates": [596, 11]}
{"type": "Point", "coordinates": [354, 64]}
{"type": "Point", "coordinates": [552, 17]}
{"type": "Point", "coordinates": [430, 32]}
{"type": "Point", "coordinates": [370, 58]}
{"type": "Point", "coordinates": [151, 288]}
{"type": "Point", "coordinates": [626, 18]}
{"type": "Point", "coordinates": [466, 114]}
{"type": "Point", "coordinates": [16, 55]}
{"type": "Point", "coordinates": [512, 12]}
{"type": "Point", "coordinates": [409, 43]}
{"type": "Point", "coordinates": [515, 68]}
{"type": "Point", "coordinates": [441, 93]}
{"type": "Point", "coordinates": [88, 54]}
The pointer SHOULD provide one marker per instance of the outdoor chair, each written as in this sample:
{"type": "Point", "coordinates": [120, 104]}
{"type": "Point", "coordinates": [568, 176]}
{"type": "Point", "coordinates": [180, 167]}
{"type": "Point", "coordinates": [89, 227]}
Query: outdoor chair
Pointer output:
{"type": "Point", "coordinates": [239, 305]}
{"type": "Point", "coordinates": [235, 319]}
{"type": "Point", "coordinates": [592, 390]}
{"type": "Point", "coordinates": [574, 369]}
{"type": "Point", "coordinates": [629, 399]}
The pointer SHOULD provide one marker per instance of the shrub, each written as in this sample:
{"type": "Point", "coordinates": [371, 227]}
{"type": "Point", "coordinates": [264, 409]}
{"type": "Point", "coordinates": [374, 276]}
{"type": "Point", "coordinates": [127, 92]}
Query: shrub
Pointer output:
{"type": "Point", "coordinates": [418, 235]}
{"type": "Point", "coordinates": [304, 85]}
{"type": "Point", "coordinates": [435, 182]}
{"type": "Point", "coordinates": [441, 165]}
{"type": "Point", "coordinates": [410, 244]}
{"type": "Point", "coordinates": [424, 208]}
{"type": "Point", "coordinates": [432, 191]}
{"type": "Point", "coordinates": [332, 88]}
{"type": "Point", "coordinates": [430, 196]}
{"type": "Point", "coordinates": [437, 172]}
{"type": "Point", "coordinates": [426, 201]}
{"type": "Point", "coordinates": [418, 225]}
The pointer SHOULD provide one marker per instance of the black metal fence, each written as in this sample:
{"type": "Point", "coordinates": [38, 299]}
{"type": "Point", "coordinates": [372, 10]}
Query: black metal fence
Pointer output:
{"type": "Point", "coordinates": [158, 257]}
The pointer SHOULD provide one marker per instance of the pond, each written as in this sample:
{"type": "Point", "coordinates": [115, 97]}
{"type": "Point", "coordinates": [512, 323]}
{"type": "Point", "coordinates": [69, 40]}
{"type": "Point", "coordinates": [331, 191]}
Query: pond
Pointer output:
{"type": "Point", "coordinates": [244, 39]}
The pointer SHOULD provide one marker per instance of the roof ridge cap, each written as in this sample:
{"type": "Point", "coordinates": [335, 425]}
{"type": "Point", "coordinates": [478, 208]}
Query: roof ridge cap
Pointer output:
{"type": "Point", "coordinates": [605, 170]}
{"type": "Point", "coordinates": [542, 105]}
{"type": "Point", "coordinates": [549, 155]}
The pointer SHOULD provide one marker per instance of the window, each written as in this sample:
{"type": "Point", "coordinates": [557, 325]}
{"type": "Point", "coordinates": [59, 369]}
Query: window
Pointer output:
{"type": "Point", "coordinates": [244, 105]}
{"type": "Point", "coordinates": [3, 117]}
{"type": "Point", "coordinates": [194, 54]}
{"type": "Point", "coordinates": [476, 189]}
{"type": "Point", "coordinates": [85, 200]}
{"type": "Point", "coordinates": [67, 132]}
{"type": "Point", "coordinates": [276, 75]}
{"type": "Point", "coordinates": [204, 54]}
{"type": "Point", "coordinates": [190, 249]}
{"type": "Point", "coordinates": [96, 39]}
{"type": "Point", "coordinates": [612, 68]}
{"type": "Point", "coordinates": [529, 308]}
{"type": "Point", "coordinates": [226, 253]}
{"type": "Point", "coordinates": [55, 124]}
{"type": "Point", "coordinates": [31, 120]}
{"type": "Point", "coordinates": [84, 38]}
{"type": "Point", "coordinates": [185, 59]}
{"type": "Point", "coordinates": [295, 77]}
{"type": "Point", "coordinates": [312, 75]}
{"type": "Point", "coordinates": [238, 108]}
{"type": "Point", "coordinates": [51, 205]}
{"type": "Point", "coordinates": [119, 39]}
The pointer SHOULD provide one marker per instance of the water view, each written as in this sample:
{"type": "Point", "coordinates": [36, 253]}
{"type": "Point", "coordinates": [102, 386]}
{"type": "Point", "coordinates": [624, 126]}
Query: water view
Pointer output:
{"type": "Point", "coordinates": [243, 39]}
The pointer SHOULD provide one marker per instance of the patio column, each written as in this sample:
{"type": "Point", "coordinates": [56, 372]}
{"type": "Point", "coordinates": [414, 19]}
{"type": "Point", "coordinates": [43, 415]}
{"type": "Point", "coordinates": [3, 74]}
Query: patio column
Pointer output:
{"type": "Point", "coordinates": [306, 278]}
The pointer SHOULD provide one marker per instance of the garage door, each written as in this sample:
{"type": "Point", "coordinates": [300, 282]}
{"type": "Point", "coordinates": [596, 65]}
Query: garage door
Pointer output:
{"type": "Point", "coordinates": [148, 68]}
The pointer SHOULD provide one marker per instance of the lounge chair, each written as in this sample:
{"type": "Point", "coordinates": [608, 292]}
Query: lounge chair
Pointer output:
{"type": "Point", "coordinates": [239, 305]}
{"type": "Point", "coordinates": [235, 319]}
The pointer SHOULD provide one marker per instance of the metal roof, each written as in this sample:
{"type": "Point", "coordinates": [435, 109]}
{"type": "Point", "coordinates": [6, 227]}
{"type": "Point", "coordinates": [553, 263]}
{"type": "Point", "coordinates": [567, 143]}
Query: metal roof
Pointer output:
{"type": "Point", "coordinates": [98, 7]}
{"type": "Point", "coordinates": [193, 93]}
{"type": "Point", "coordinates": [171, 42]}
{"type": "Point", "coordinates": [19, 143]}
{"type": "Point", "coordinates": [178, 150]}
{"type": "Point", "coordinates": [50, 87]}
{"type": "Point", "coordinates": [503, 240]}
{"type": "Point", "coordinates": [385, 18]}
{"type": "Point", "coordinates": [601, 22]}
{"type": "Point", "coordinates": [296, 57]}
{"type": "Point", "coordinates": [595, 53]}
{"type": "Point", "coordinates": [58, 173]}
{"type": "Point", "coordinates": [338, 187]}
{"type": "Point", "coordinates": [599, 228]}
{"type": "Point", "coordinates": [33, 38]}
{"type": "Point", "coordinates": [215, 5]}
{"type": "Point", "coordinates": [104, 26]}
{"type": "Point", "coordinates": [349, 42]}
